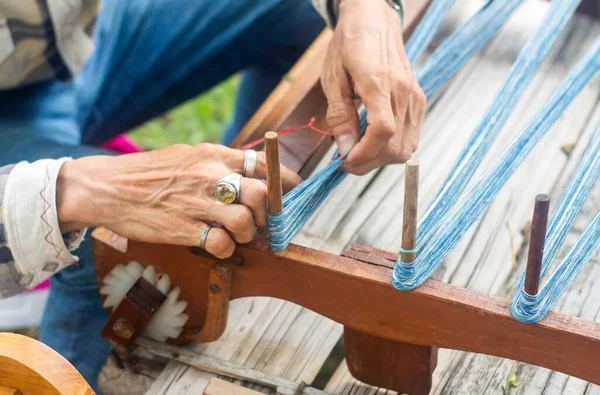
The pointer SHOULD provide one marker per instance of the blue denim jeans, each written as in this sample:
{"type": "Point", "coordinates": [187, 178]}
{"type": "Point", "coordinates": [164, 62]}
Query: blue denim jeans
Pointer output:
{"type": "Point", "coordinates": [150, 56]}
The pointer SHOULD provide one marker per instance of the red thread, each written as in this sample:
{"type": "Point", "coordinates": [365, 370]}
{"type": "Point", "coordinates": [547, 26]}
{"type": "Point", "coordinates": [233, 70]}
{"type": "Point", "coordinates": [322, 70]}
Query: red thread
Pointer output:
{"type": "Point", "coordinates": [309, 125]}
{"type": "Point", "coordinates": [43, 216]}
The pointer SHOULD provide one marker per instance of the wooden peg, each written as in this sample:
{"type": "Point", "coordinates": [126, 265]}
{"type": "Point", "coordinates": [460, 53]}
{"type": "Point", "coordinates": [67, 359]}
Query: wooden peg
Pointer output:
{"type": "Point", "coordinates": [274, 192]}
{"type": "Point", "coordinates": [409, 219]}
{"type": "Point", "coordinates": [536, 244]}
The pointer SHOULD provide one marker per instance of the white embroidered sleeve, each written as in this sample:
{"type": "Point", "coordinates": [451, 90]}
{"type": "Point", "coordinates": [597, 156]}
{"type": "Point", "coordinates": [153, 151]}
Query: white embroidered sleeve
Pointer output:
{"type": "Point", "coordinates": [31, 222]}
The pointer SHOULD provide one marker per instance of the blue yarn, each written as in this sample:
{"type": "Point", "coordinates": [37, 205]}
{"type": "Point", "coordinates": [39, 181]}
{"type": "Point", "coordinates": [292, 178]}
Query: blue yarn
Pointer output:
{"type": "Point", "coordinates": [300, 203]}
{"type": "Point", "coordinates": [474, 202]}
{"type": "Point", "coordinates": [425, 31]}
{"type": "Point", "coordinates": [522, 72]}
{"type": "Point", "coordinates": [532, 308]}
{"type": "Point", "coordinates": [459, 47]}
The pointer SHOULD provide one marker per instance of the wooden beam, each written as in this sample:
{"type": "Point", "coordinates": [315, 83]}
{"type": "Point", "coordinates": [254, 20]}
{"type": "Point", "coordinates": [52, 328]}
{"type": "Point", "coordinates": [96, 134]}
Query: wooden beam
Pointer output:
{"type": "Point", "coordinates": [435, 314]}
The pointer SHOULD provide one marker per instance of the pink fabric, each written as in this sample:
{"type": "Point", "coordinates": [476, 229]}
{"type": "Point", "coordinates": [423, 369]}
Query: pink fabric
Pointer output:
{"type": "Point", "coordinates": [44, 285]}
{"type": "Point", "coordinates": [121, 144]}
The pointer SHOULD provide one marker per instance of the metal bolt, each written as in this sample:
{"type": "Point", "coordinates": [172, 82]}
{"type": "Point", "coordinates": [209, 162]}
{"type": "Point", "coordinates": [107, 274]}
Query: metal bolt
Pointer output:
{"type": "Point", "coordinates": [214, 288]}
{"type": "Point", "coordinates": [123, 328]}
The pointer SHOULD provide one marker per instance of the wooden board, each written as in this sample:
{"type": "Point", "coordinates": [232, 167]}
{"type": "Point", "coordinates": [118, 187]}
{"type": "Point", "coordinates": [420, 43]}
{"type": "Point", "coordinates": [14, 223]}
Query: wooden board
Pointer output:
{"type": "Point", "coordinates": [217, 386]}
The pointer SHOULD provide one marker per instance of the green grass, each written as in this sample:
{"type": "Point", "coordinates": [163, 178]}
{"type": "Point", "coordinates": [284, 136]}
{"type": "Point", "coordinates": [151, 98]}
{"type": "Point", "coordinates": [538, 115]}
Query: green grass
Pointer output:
{"type": "Point", "coordinates": [199, 120]}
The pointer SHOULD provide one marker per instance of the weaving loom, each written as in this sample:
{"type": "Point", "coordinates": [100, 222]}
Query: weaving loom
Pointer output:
{"type": "Point", "coordinates": [392, 343]}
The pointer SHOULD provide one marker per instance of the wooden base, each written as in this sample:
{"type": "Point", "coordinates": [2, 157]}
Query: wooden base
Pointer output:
{"type": "Point", "coordinates": [402, 367]}
{"type": "Point", "coordinates": [344, 289]}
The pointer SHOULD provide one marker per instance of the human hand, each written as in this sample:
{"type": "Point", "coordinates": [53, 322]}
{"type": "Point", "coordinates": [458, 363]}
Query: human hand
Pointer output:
{"type": "Point", "coordinates": [166, 196]}
{"type": "Point", "coordinates": [366, 59]}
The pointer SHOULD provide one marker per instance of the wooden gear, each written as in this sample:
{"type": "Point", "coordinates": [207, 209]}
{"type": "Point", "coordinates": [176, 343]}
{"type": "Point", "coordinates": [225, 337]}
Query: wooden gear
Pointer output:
{"type": "Point", "coordinates": [391, 337]}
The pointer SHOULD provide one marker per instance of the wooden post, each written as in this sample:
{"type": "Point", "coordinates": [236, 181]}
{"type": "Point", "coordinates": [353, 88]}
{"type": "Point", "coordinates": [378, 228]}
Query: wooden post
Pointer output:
{"type": "Point", "coordinates": [591, 7]}
{"type": "Point", "coordinates": [398, 366]}
{"type": "Point", "coordinates": [409, 218]}
{"type": "Point", "coordinates": [274, 192]}
{"type": "Point", "coordinates": [536, 244]}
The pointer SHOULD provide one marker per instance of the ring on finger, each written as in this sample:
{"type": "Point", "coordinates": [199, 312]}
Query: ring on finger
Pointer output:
{"type": "Point", "coordinates": [227, 189]}
{"type": "Point", "coordinates": [204, 236]}
{"type": "Point", "coordinates": [249, 163]}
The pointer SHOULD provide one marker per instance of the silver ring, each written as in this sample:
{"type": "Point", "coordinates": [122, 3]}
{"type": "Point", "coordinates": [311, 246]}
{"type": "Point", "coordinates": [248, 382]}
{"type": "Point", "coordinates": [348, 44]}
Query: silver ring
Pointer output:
{"type": "Point", "coordinates": [204, 236]}
{"type": "Point", "coordinates": [227, 189]}
{"type": "Point", "coordinates": [249, 163]}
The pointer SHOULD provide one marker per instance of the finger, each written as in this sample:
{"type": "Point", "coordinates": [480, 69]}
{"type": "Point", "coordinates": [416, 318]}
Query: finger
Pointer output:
{"type": "Point", "coordinates": [236, 218]}
{"type": "Point", "coordinates": [416, 116]}
{"type": "Point", "coordinates": [289, 178]}
{"type": "Point", "coordinates": [381, 128]}
{"type": "Point", "coordinates": [342, 117]}
{"type": "Point", "coordinates": [376, 94]}
{"type": "Point", "coordinates": [218, 241]}
{"type": "Point", "coordinates": [253, 194]}
{"type": "Point", "coordinates": [401, 98]}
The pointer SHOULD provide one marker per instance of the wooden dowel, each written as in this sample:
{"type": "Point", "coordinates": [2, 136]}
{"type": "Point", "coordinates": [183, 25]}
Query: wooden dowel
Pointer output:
{"type": "Point", "coordinates": [536, 244]}
{"type": "Point", "coordinates": [409, 219]}
{"type": "Point", "coordinates": [274, 192]}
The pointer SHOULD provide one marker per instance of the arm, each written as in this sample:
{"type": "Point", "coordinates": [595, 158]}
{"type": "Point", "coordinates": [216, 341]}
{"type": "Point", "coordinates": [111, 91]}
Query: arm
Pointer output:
{"type": "Point", "coordinates": [163, 196]}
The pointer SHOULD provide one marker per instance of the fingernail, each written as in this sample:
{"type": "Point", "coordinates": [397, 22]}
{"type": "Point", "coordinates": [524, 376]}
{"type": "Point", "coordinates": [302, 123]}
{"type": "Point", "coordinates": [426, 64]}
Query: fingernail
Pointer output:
{"type": "Point", "coordinates": [345, 143]}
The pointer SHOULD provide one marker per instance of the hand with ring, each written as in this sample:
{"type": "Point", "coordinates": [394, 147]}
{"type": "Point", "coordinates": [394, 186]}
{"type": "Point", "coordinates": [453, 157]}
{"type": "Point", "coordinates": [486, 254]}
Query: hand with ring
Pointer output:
{"type": "Point", "coordinates": [171, 196]}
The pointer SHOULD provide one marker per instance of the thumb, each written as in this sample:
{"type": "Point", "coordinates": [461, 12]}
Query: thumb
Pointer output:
{"type": "Point", "coordinates": [342, 116]}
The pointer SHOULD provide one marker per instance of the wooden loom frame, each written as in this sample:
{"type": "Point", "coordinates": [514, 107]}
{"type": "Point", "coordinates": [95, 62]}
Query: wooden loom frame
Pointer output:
{"type": "Point", "coordinates": [391, 336]}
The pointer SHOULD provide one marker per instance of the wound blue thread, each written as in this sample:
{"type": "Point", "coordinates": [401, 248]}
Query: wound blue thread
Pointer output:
{"type": "Point", "coordinates": [522, 72]}
{"type": "Point", "coordinates": [300, 203]}
{"type": "Point", "coordinates": [474, 202]}
{"type": "Point", "coordinates": [532, 308]}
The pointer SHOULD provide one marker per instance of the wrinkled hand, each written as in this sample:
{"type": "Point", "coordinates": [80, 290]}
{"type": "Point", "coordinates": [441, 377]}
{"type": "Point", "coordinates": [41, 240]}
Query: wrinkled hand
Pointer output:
{"type": "Point", "coordinates": [366, 59]}
{"type": "Point", "coordinates": [166, 196]}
